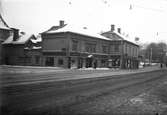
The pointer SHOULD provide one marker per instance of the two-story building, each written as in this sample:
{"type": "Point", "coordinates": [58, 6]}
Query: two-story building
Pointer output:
{"type": "Point", "coordinates": [123, 53]}
{"type": "Point", "coordinates": [70, 47]}
{"type": "Point", "coordinates": [67, 46]}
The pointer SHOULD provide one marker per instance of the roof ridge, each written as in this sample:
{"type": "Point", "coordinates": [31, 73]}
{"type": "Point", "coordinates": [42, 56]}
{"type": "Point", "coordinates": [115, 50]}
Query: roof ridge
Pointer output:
{"type": "Point", "coordinates": [3, 21]}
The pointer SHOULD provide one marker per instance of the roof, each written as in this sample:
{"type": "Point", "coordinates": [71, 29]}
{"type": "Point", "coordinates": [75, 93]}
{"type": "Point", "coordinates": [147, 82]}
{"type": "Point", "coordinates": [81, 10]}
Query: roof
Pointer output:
{"type": "Point", "coordinates": [3, 24]}
{"type": "Point", "coordinates": [120, 37]}
{"type": "Point", "coordinates": [112, 35]}
{"type": "Point", "coordinates": [21, 40]}
{"type": "Point", "coordinates": [39, 39]}
{"type": "Point", "coordinates": [77, 30]}
{"type": "Point", "coordinates": [33, 48]}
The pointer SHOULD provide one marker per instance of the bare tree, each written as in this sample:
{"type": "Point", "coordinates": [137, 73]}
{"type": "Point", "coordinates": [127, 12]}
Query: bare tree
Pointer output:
{"type": "Point", "coordinates": [155, 51]}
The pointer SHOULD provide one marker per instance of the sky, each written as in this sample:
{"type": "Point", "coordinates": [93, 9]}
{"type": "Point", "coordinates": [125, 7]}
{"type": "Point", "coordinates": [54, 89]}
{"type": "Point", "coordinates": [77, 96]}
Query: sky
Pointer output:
{"type": "Point", "coordinates": [146, 19]}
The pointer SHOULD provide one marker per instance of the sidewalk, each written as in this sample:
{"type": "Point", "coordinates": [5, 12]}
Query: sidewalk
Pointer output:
{"type": "Point", "coordinates": [116, 72]}
{"type": "Point", "coordinates": [10, 69]}
{"type": "Point", "coordinates": [100, 71]}
{"type": "Point", "coordinates": [42, 76]}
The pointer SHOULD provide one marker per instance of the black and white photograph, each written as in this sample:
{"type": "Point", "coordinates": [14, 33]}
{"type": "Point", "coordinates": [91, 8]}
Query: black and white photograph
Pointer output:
{"type": "Point", "coordinates": [83, 57]}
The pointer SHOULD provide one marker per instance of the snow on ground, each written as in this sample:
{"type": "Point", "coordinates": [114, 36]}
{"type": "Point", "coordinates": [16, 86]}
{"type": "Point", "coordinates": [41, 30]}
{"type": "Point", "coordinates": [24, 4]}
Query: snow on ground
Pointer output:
{"type": "Point", "coordinates": [39, 69]}
{"type": "Point", "coordinates": [153, 100]}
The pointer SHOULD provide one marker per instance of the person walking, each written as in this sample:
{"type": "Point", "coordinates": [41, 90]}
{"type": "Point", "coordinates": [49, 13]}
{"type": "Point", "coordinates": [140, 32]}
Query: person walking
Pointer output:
{"type": "Point", "coordinates": [161, 65]}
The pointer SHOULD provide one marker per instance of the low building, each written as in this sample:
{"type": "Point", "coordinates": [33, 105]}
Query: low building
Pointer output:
{"type": "Point", "coordinates": [22, 49]}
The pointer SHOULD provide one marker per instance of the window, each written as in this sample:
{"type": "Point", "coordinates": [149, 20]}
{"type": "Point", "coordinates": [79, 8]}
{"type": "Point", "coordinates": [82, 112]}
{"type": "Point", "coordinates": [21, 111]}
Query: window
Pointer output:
{"type": "Point", "coordinates": [37, 59]}
{"type": "Point", "coordinates": [60, 62]}
{"type": "Point", "coordinates": [63, 49]}
{"type": "Point", "coordinates": [90, 47]}
{"type": "Point", "coordinates": [49, 61]}
{"type": "Point", "coordinates": [104, 49]}
{"type": "Point", "coordinates": [74, 45]}
{"type": "Point", "coordinates": [103, 61]}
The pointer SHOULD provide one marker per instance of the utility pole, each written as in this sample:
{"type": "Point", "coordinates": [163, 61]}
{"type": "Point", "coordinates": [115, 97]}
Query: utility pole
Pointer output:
{"type": "Point", "coordinates": [122, 53]}
{"type": "Point", "coordinates": [151, 56]}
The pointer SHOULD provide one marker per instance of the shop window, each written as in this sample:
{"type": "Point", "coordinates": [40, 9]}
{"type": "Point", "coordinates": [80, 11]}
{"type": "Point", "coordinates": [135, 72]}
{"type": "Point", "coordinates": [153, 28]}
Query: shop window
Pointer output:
{"type": "Point", "coordinates": [60, 62]}
{"type": "Point", "coordinates": [103, 61]}
{"type": "Point", "coordinates": [49, 61]}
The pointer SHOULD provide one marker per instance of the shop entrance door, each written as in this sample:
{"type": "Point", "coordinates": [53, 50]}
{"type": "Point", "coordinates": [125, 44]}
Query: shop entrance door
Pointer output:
{"type": "Point", "coordinates": [89, 62]}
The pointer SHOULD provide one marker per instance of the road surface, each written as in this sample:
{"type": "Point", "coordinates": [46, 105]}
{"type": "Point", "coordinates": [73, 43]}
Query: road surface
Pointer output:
{"type": "Point", "coordinates": [116, 94]}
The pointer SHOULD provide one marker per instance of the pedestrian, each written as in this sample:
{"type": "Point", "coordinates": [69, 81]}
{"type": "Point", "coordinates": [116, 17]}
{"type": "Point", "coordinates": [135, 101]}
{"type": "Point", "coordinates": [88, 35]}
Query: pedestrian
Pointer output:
{"type": "Point", "coordinates": [95, 64]}
{"type": "Point", "coordinates": [161, 65]}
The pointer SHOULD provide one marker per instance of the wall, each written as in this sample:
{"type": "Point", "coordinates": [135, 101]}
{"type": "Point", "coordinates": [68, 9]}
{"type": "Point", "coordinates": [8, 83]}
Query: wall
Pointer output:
{"type": "Point", "coordinates": [82, 40]}
{"type": "Point", "coordinates": [56, 42]}
{"type": "Point", "coordinates": [130, 49]}
{"type": "Point", "coordinates": [14, 54]}
{"type": "Point", "coordinates": [32, 54]}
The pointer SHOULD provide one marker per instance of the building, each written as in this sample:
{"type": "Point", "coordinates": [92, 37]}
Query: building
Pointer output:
{"type": "Point", "coordinates": [5, 32]}
{"type": "Point", "coordinates": [22, 49]}
{"type": "Point", "coordinates": [123, 53]}
{"type": "Point", "coordinates": [70, 47]}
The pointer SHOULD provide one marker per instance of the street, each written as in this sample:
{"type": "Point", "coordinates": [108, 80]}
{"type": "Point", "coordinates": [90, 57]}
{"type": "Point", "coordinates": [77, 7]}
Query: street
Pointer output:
{"type": "Point", "coordinates": [62, 93]}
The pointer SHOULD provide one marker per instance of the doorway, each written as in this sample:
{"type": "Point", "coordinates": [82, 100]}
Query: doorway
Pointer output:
{"type": "Point", "coordinates": [89, 62]}
{"type": "Point", "coordinates": [49, 61]}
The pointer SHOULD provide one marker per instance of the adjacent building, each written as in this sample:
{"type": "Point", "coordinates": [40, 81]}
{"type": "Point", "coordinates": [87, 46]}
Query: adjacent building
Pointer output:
{"type": "Point", "coordinates": [22, 49]}
{"type": "Point", "coordinates": [123, 53]}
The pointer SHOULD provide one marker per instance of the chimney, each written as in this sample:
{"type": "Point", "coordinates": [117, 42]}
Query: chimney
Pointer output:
{"type": "Point", "coordinates": [61, 23]}
{"type": "Point", "coordinates": [112, 27]}
{"type": "Point", "coordinates": [119, 30]}
{"type": "Point", "coordinates": [15, 34]}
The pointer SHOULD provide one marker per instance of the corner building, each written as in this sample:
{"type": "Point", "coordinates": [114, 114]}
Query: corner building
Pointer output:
{"type": "Point", "coordinates": [70, 47]}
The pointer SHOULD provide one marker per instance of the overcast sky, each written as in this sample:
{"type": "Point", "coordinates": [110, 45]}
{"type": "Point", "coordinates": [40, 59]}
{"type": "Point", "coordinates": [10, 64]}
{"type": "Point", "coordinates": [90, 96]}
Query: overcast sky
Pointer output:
{"type": "Point", "coordinates": [146, 19]}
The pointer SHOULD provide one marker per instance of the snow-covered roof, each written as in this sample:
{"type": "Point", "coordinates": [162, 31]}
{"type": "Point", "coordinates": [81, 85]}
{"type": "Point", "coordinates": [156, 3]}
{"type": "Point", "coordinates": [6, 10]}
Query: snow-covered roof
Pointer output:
{"type": "Point", "coordinates": [39, 39]}
{"type": "Point", "coordinates": [4, 27]}
{"type": "Point", "coordinates": [111, 35]}
{"type": "Point", "coordinates": [34, 48]}
{"type": "Point", "coordinates": [77, 30]}
{"type": "Point", "coordinates": [114, 35]}
{"type": "Point", "coordinates": [21, 40]}
{"type": "Point", "coordinates": [3, 24]}
{"type": "Point", "coordinates": [120, 35]}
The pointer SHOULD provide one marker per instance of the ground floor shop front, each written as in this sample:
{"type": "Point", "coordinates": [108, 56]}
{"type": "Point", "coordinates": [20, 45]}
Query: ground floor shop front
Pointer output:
{"type": "Point", "coordinates": [118, 61]}
{"type": "Point", "coordinates": [75, 60]}
{"type": "Point", "coordinates": [87, 60]}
